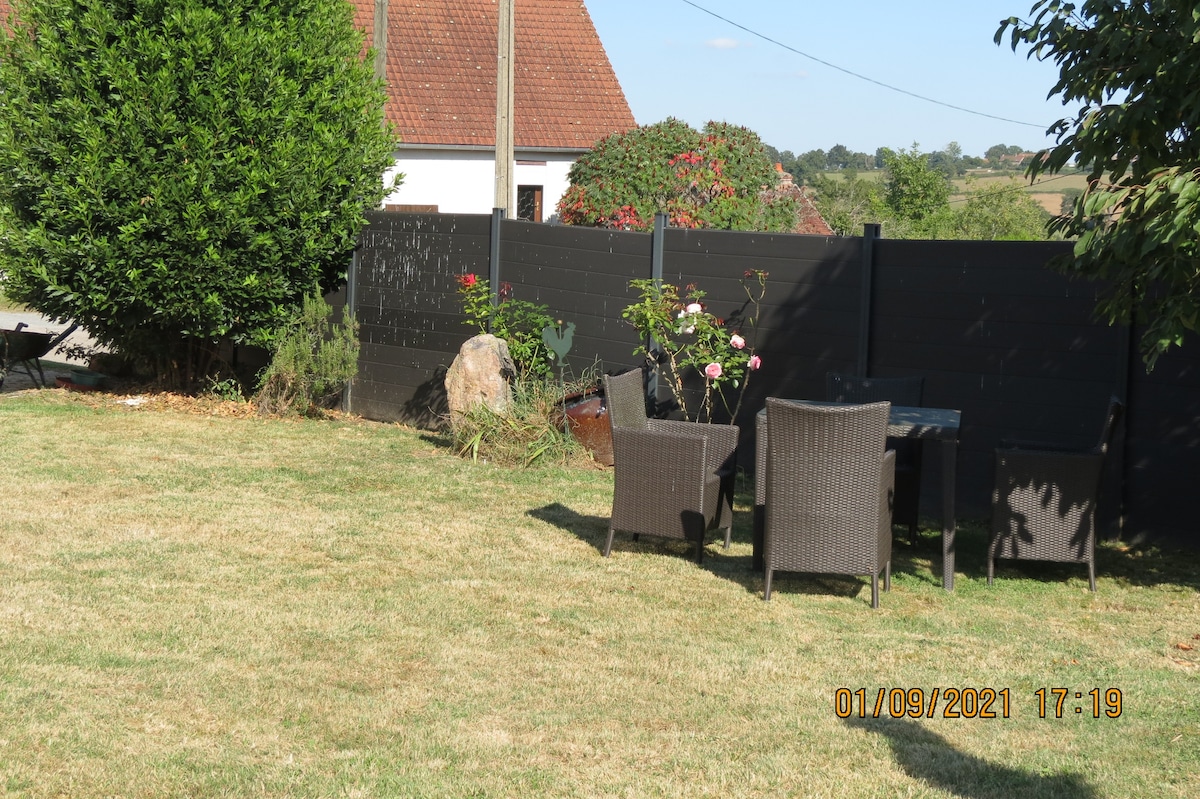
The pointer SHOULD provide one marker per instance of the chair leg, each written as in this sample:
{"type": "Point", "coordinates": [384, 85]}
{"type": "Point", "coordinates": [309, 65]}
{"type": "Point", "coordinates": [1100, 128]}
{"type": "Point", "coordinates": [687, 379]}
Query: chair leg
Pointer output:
{"type": "Point", "coordinates": [991, 568]}
{"type": "Point", "coordinates": [887, 576]}
{"type": "Point", "coordinates": [608, 542]}
{"type": "Point", "coordinates": [767, 586]}
{"type": "Point", "coordinates": [1092, 574]}
{"type": "Point", "coordinates": [728, 537]}
{"type": "Point", "coordinates": [874, 590]}
{"type": "Point", "coordinates": [912, 534]}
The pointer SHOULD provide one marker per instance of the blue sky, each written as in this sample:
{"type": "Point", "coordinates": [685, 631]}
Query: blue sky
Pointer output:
{"type": "Point", "coordinates": [675, 60]}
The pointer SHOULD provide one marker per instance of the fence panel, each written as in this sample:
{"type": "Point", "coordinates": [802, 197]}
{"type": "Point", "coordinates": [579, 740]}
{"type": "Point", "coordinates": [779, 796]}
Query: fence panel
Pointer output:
{"type": "Point", "coordinates": [405, 299]}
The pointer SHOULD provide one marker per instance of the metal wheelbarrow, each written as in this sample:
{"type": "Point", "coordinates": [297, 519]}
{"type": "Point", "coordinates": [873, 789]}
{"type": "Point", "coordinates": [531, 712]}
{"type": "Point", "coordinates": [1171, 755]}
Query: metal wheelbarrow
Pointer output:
{"type": "Point", "coordinates": [25, 349]}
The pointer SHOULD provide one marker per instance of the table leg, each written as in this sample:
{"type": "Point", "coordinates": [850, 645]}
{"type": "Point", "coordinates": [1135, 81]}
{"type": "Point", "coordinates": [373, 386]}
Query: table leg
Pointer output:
{"type": "Point", "coordinates": [949, 460]}
{"type": "Point", "coordinates": [757, 556]}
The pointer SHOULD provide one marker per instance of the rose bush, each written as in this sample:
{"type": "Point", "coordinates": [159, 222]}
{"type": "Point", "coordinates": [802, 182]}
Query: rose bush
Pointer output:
{"type": "Point", "coordinates": [518, 322]}
{"type": "Point", "coordinates": [683, 338]}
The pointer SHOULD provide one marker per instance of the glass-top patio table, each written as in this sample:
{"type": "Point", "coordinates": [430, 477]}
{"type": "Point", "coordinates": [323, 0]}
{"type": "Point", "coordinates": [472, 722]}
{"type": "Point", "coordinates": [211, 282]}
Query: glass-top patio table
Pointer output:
{"type": "Point", "coordinates": [926, 424]}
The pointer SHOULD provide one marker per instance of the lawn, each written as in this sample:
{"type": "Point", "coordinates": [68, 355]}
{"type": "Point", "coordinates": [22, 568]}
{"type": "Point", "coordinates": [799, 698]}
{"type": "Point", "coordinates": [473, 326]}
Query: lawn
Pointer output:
{"type": "Point", "coordinates": [8, 306]}
{"type": "Point", "coordinates": [214, 604]}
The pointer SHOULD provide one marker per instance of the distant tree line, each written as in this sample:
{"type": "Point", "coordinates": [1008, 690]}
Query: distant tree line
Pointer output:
{"type": "Point", "coordinates": [915, 199]}
{"type": "Point", "coordinates": [949, 160]}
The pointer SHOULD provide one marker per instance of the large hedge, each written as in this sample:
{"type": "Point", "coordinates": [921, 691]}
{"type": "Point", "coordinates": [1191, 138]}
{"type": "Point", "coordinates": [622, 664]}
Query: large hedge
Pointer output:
{"type": "Point", "coordinates": [178, 173]}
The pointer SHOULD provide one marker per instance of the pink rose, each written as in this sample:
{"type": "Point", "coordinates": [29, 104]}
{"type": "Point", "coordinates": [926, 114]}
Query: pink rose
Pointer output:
{"type": "Point", "coordinates": [737, 342]}
{"type": "Point", "coordinates": [754, 363]}
{"type": "Point", "coordinates": [695, 307]}
{"type": "Point", "coordinates": [713, 370]}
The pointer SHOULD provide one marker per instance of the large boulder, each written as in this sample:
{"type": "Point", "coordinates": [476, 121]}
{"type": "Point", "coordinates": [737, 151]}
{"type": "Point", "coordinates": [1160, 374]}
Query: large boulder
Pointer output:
{"type": "Point", "coordinates": [479, 375]}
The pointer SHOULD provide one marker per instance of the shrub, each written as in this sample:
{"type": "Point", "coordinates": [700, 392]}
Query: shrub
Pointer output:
{"type": "Point", "coordinates": [314, 359]}
{"type": "Point", "coordinates": [701, 179]}
{"type": "Point", "coordinates": [686, 340]}
{"type": "Point", "coordinates": [518, 322]}
{"type": "Point", "coordinates": [179, 173]}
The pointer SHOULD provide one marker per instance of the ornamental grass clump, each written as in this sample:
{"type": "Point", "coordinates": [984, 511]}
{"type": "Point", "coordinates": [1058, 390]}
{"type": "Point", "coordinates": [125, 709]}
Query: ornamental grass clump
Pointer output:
{"type": "Point", "coordinates": [530, 432]}
{"type": "Point", "coordinates": [684, 339]}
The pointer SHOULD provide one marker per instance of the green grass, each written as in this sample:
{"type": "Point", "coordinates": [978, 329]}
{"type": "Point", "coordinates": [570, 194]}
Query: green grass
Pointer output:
{"type": "Point", "coordinates": [202, 605]}
{"type": "Point", "coordinates": [8, 306]}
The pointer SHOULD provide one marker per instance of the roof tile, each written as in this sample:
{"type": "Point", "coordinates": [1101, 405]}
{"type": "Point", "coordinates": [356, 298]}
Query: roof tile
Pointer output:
{"type": "Point", "coordinates": [441, 72]}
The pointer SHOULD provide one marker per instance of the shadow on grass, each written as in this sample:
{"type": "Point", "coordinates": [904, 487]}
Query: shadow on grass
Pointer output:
{"type": "Point", "coordinates": [929, 757]}
{"type": "Point", "coordinates": [592, 529]}
{"type": "Point", "coordinates": [921, 562]}
{"type": "Point", "coordinates": [1142, 565]}
{"type": "Point", "coordinates": [734, 565]}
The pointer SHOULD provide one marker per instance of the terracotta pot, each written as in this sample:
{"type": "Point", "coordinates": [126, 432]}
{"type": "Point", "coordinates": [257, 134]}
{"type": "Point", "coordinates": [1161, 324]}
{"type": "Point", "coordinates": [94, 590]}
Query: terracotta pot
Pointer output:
{"type": "Point", "coordinates": [587, 418]}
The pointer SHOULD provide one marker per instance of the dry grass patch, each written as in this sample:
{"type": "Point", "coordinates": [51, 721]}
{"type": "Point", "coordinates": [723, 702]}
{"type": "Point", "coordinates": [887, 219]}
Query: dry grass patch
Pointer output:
{"type": "Point", "coordinates": [209, 605]}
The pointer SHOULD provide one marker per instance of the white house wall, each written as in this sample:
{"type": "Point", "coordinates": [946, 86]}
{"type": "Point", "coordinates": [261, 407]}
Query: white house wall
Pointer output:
{"type": "Point", "coordinates": [463, 181]}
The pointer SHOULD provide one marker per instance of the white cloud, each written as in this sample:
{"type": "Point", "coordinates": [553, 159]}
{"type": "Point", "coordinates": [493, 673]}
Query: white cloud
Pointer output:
{"type": "Point", "coordinates": [722, 44]}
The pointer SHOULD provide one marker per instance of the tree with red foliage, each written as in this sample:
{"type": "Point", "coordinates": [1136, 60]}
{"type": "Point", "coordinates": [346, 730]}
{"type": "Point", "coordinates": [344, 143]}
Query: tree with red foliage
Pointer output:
{"type": "Point", "coordinates": [701, 179]}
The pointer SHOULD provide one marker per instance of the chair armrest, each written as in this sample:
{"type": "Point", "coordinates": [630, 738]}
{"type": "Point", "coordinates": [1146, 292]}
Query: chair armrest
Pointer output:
{"type": "Point", "coordinates": [722, 440]}
{"type": "Point", "coordinates": [887, 494]}
{"type": "Point", "coordinates": [1070, 471]}
{"type": "Point", "coordinates": [645, 458]}
{"type": "Point", "coordinates": [888, 469]}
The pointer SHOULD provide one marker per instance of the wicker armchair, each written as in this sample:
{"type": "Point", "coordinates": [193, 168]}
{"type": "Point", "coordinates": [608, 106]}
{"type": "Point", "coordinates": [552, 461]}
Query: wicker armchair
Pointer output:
{"type": "Point", "coordinates": [897, 391]}
{"type": "Point", "coordinates": [829, 490]}
{"type": "Point", "coordinates": [1044, 501]}
{"type": "Point", "coordinates": [671, 479]}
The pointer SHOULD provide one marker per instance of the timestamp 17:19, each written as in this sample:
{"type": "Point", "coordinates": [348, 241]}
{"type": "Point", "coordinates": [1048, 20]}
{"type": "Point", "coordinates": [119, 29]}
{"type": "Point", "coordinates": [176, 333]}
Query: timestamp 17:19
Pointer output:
{"type": "Point", "coordinates": [1053, 702]}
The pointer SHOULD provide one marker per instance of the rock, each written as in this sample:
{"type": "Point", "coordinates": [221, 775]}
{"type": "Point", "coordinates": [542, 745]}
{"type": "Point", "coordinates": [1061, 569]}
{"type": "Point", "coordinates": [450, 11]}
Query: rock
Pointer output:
{"type": "Point", "coordinates": [479, 375]}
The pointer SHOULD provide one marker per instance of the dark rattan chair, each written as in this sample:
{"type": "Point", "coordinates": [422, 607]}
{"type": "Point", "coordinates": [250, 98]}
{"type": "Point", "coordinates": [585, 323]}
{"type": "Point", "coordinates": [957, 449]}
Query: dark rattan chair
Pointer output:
{"type": "Point", "coordinates": [829, 491]}
{"type": "Point", "coordinates": [1044, 501]}
{"type": "Point", "coordinates": [671, 479]}
{"type": "Point", "coordinates": [897, 391]}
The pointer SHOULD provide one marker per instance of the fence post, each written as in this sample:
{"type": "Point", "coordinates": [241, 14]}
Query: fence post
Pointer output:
{"type": "Point", "coordinates": [656, 274]}
{"type": "Point", "coordinates": [494, 260]}
{"type": "Point", "coordinates": [1127, 350]}
{"type": "Point", "coordinates": [871, 231]}
{"type": "Point", "coordinates": [351, 309]}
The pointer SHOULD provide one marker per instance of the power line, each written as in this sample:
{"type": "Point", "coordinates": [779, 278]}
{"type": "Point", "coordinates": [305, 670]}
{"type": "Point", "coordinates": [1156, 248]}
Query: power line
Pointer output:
{"type": "Point", "coordinates": [855, 74]}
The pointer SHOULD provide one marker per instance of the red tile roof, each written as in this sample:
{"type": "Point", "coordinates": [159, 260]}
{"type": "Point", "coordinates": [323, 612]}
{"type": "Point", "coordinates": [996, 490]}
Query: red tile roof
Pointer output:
{"type": "Point", "coordinates": [808, 218]}
{"type": "Point", "coordinates": [441, 72]}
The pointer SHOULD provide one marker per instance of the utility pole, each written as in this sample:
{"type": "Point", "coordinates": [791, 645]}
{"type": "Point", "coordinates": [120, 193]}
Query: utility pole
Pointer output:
{"type": "Point", "coordinates": [505, 38]}
{"type": "Point", "coordinates": [379, 42]}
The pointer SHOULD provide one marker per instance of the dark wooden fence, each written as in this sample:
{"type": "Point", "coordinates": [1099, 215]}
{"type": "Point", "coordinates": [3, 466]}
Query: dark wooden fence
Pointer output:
{"type": "Point", "coordinates": [1012, 344]}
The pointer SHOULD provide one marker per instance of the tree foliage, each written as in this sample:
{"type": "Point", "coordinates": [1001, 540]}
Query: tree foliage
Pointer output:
{"type": "Point", "coordinates": [701, 179]}
{"type": "Point", "coordinates": [182, 172]}
{"type": "Point", "coordinates": [1133, 69]}
{"type": "Point", "coordinates": [914, 189]}
{"type": "Point", "coordinates": [914, 201]}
